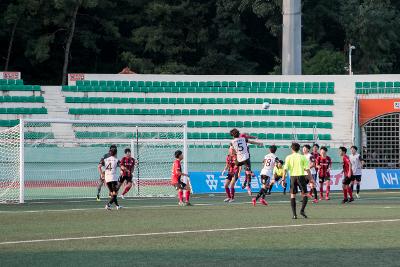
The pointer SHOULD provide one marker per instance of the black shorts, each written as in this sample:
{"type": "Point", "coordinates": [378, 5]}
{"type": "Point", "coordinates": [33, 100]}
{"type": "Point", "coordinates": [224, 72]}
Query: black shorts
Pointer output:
{"type": "Point", "coordinates": [298, 181]}
{"type": "Point", "coordinates": [277, 178]}
{"type": "Point", "coordinates": [265, 179]}
{"type": "Point", "coordinates": [230, 176]}
{"type": "Point", "coordinates": [324, 179]}
{"type": "Point", "coordinates": [128, 179]}
{"type": "Point", "coordinates": [112, 186]}
{"type": "Point", "coordinates": [179, 185]}
{"type": "Point", "coordinates": [246, 163]}
{"type": "Point", "coordinates": [346, 180]}
{"type": "Point", "coordinates": [356, 178]}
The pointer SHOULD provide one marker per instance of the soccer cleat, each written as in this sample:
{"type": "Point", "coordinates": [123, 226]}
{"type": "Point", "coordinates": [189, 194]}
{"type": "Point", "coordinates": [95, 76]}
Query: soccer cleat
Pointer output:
{"type": "Point", "coordinates": [315, 201]}
{"type": "Point", "coordinates": [248, 190]}
{"type": "Point", "coordinates": [294, 217]}
{"type": "Point", "coordinates": [181, 204]}
{"type": "Point", "coordinates": [302, 213]}
{"type": "Point", "coordinates": [108, 207]}
{"type": "Point", "coordinates": [98, 198]}
{"type": "Point", "coordinates": [231, 200]}
{"type": "Point", "coordinates": [263, 202]}
{"type": "Point", "coordinates": [188, 204]}
{"type": "Point", "coordinates": [119, 207]}
{"type": "Point", "coordinates": [344, 201]}
{"type": "Point", "coordinates": [351, 200]}
{"type": "Point", "coordinates": [327, 198]}
{"type": "Point", "coordinates": [357, 195]}
{"type": "Point", "coordinates": [122, 196]}
{"type": "Point", "coordinates": [254, 202]}
{"type": "Point", "coordinates": [227, 199]}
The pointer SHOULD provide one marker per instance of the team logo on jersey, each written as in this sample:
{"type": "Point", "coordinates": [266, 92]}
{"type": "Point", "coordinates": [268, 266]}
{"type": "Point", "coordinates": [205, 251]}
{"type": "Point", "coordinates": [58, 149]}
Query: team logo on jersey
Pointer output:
{"type": "Point", "coordinates": [211, 182]}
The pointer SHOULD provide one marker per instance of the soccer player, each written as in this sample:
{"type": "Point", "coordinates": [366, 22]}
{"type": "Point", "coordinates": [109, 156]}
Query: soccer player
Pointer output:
{"type": "Point", "coordinates": [278, 175]}
{"type": "Point", "coordinates": [233, 175]}
{"type": "Point", "coordinates": [176, 180]}
{"type": "Point", "coordinates": [101, 173]}
{"type": "Point", "coordinates": [298, 167]}
{"type": "Point", "coordinates": [313, 174]}
{"type": "Point", "coordinates": [111, 163]}
{"type": "Point", "coordinates": [266, 175]}
{"type": "Point", "coordinates": [127, 175]}
{"type": "Point", "coordinates": [324, 165]}
{"type": "Point", "coordinates": [347, 173]}
{"type": "Point", "coordinates": [240, 145]}
{"type": "Point", "coordinates": [315, 151]}
{"type": "Point", "coordinates": [357, 163]}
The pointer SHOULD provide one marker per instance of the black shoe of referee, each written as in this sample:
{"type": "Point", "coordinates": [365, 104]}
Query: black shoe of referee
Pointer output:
{"type": "Point", "coordinates": [302, 213]}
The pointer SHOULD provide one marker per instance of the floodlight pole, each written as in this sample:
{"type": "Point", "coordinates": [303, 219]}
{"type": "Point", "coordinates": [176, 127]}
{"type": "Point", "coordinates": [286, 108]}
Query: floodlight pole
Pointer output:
{"type": "Point", "coordinates": [351, 48]}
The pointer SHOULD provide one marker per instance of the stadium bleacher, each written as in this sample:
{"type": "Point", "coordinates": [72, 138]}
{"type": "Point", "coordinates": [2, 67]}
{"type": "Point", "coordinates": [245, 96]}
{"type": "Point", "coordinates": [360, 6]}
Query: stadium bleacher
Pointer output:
{"type": "Point", "coordinates": [365, 88]}
{"type": "Point", "coordinates": [180, 100]}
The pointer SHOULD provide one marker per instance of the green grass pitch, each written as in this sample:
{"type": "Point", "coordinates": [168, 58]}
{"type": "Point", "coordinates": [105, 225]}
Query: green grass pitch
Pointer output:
{"type": "Point", "coordinates": [210, 233]}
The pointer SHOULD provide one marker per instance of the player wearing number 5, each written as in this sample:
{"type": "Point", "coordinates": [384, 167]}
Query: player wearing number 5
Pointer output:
{"type": "Point", "coordinates": [241, 148]}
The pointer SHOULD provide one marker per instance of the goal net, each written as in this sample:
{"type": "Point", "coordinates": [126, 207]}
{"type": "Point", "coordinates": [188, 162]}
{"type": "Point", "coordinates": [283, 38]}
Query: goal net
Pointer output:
{"type": "Point", "coordinates": [61, 157]}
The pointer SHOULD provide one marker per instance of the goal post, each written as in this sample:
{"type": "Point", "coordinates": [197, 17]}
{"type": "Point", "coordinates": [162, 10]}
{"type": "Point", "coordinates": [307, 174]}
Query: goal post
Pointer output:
{"type": "Point", "coordinates": [58, 158]}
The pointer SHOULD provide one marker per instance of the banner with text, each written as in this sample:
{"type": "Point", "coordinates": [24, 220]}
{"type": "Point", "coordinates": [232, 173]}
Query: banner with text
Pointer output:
{"type": "Point", "coordinates": [213, 182]}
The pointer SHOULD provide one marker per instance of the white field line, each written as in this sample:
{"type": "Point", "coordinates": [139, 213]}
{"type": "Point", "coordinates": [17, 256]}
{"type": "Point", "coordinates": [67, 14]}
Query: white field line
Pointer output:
{"type": "Point", "coordinates": [195, 231]}
{"type": "Point", "coordinates": [171, 205]}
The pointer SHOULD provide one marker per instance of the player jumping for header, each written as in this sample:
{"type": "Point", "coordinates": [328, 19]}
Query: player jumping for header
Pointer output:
{"type": "Point", "coordinates": [240, 145]}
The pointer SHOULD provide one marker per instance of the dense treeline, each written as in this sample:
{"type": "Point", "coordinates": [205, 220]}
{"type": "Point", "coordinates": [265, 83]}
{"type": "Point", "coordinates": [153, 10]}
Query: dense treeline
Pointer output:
{"type": "Point", "coordinates": [46, 38]}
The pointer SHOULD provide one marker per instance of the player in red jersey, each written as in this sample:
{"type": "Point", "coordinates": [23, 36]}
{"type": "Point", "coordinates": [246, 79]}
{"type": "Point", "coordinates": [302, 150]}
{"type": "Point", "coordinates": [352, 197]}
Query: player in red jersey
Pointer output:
{"type": "Point", "coordinates": [127, 174]}
{"type": "Point", "coordinates": [324, 165]}
{"type": "Point", "coordinates": [347, 173]}
{"type": "Point", "coordinates": [315, 152]}
{"type": "Point", "coordinates": [176, 179]}
{"type": "Point", "coordinates": [233, 175]}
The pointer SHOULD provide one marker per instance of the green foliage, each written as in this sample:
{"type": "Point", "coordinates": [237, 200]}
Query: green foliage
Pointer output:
{"type": "Point", "coordinates": [193, 36]}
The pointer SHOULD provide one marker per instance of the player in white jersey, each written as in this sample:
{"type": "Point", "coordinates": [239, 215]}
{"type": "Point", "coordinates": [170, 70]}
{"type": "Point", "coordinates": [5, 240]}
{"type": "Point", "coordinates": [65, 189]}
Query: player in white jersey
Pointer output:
{"type": "Point", "coordinates": [357, 163]}
{"type": "Point", "coordinates": [311, 181]}
{"type": "Point", "coordinates": [241, 148]}
{"type": "Point", "coordinates": [110, 175]}
{"type": "Point", "coordinates": [267, 173]}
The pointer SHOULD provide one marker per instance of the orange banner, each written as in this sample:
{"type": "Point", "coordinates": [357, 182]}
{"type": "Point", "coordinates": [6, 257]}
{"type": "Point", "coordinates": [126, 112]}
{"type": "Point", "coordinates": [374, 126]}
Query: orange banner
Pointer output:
{"type": "Point", "coordinates": [372, 108]}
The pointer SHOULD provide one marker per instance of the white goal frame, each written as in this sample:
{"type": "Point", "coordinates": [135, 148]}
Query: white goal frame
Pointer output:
{"type": "Point", "coordinates": [23, 122]}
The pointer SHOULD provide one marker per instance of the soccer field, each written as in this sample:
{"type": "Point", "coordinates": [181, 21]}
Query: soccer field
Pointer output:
{"type": "Point", "coordinates": [153, 232]}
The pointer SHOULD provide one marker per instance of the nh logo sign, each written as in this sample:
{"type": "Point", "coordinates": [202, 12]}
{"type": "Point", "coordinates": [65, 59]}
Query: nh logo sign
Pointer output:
{"type": "Point", "coordinates": [390, 178]}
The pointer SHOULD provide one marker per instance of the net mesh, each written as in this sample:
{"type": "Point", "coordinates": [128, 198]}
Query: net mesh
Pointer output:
{"type": "Point", "coordinates": [62, 162]}
{"type": "Point", "coordinates": [9, 164]}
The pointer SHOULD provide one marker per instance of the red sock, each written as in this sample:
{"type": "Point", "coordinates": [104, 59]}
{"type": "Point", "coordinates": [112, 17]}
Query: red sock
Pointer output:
{"type": "Point", "coordinates": [350, 192]}
{"type": "Point", "coordinates": [328, 188]}
{"type": "Point", "coordinates": [187, 195]}
{"type": "Point", "coordinates": [232, 193]}
{"type": "Point", "coordinates": [228, 192]}
{"type": "Point", "coordinates": [345, 193]}
{"type": "Point", "coordinates": [321, 190]}
{"type": "Point", "coordinates": [126, 190]}
{"type": "Point", "coordinates": [180, 196]}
